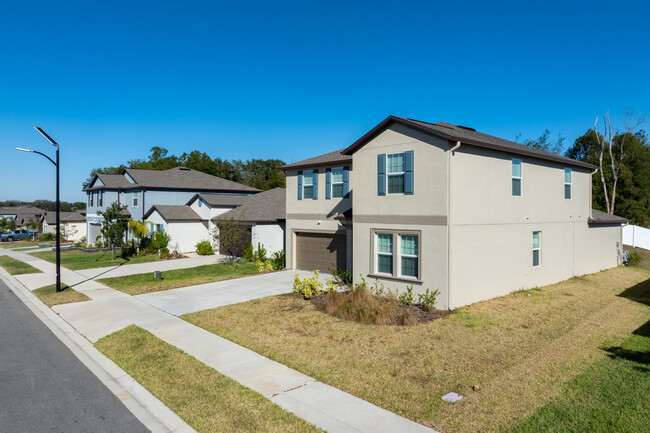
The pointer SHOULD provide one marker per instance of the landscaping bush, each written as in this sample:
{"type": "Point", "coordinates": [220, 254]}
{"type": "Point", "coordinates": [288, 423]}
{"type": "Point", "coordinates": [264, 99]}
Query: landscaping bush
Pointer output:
{"type": "Point", "coordinates": [260, 253]}
{"type": "Point", "coordinates": [633, 258]}
{"type": "Point", "coordinates": [428, 300]}
{"type": "Point", "coordinates": [279, 259]}
{"type": "Point", "coordinates": [309, 287]}
{"type": "Point", "coordinates": [159, 242]}
{"type": "Point", "coordinates": [81, 243]}
{"type": "Point", "coordinates": [341, 276]}
{"type": "Point", "coordinates": [48, 237]}
{"type": "Point", "coordinates": [247, 252]}
{"type": "Point", "coordinates": [264, 266]}
{"type": "Point", "coordinates": [204, 248]}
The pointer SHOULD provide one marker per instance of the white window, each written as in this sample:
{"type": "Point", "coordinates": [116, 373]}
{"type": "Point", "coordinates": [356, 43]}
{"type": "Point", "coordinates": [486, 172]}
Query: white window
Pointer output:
{"type": "Point", "coordinates": [516, 177]}
{"type": "Point", "coordinates": [385, 253]}
{"type": "Point", "coordinates": [100, 199]}
{"type": "Point", "coordinates": [537, 249]}
{"type": "Point", "coordinates": [90, 199]}
{"type": "Point", "coordinates": [395, 173]}
{"type": "Point", "coordinates": [567, 184]}
{"type": "Point", "coordinates": [409, 256]}
{"type": "Point", "coordinates": [337, 182]}
{"type": "Point", "coordinates": [134, 199]}
{"type": "Point", "coordinates": [308, 184]}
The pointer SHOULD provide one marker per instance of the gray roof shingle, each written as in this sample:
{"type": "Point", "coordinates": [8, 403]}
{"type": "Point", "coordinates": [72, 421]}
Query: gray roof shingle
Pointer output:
{"type": "Point", "coordinates": [336, 157]}
{"type": "Point", "coordinates": [466, 135]}
{"type": "Point", "coordinates": [178, 178]}
{"type": "Point", "coordinates": [600, 217]}
{"type": "Point", "coordinates": [174, 212]}
{"type": "Point", "coordinates": [66, 217]}
{"type": "Point", "coordinates": [267, 206]}
{"type": "Point", "coordinates": [23, 213]}
{"type": "Point", "coordinates": [223, 200]}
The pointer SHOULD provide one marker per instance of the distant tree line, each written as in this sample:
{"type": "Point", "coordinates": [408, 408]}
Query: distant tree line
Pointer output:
{"type": "Point", "coordinates": [47, 205]}
{"type": "Point", "coordinates": [622, 185]}
{"type": "Point", "coordinates": [258, 173]}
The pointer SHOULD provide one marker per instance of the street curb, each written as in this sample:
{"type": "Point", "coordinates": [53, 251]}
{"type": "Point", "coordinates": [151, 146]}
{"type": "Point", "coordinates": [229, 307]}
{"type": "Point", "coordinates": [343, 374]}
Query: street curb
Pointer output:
{"type": "Point", "coordinates": [145, 406]}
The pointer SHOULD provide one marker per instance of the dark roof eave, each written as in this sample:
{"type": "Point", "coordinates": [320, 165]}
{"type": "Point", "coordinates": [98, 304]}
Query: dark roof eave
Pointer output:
{"type": "Point", "coordinates": [383, 124]}
{"type": "Point", "coordinates": [317, 164]}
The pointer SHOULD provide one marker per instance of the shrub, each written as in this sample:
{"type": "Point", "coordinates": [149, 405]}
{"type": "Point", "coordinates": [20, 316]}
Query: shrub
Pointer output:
{"type": "Point", "coordinates": [260, 253]}
{"type": "Point", "coordinates": [159, 241]}
{"type": "Point", "coordinates": [204, 248]}
{"type": "Point", "coordinates": [247, 252]}
{"type": "Point", "coordinates": [309, 287]}
{"type": "Point", "coordinates": [428, 300]}
{"type": "Point", "coordinates": [264, 266]}
{"type": "Point", "coordinates": [279, 259]}
{"type": "Point", "coordinates": [407, 297]}
{"type": "Point", "coordinates": [633, 258]}
{"type": "Point", "coordinates": [48, 236]}
{"type": "Point", "coordinates": [341, 276]}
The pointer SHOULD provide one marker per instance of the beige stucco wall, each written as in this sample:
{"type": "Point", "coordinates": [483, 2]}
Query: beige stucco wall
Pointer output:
{"type": "Point", "coordinates": [79, 226]}
{"type": "Point", "coordinates": [491, 231]}
{"type": "Point", "coordinates": [310, 215]}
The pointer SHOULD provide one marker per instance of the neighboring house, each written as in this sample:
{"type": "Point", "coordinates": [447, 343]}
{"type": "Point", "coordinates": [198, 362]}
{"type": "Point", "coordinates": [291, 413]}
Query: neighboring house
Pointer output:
{"type": "Point", "coordinates": [140, 190]}
{"type": "Point", "coordinates": [441, 206]}
{"type": "Point", "coordinates": [74, 221]}
{"type": "Point", "coordinates": [22, 214]}
{"type": "Point", "coordinates": [265, 215]}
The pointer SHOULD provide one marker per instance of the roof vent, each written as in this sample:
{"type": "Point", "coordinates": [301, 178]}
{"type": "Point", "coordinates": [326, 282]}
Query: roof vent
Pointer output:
{"type": "Point", "coordinates": [467, 127]}
{"type": "Point", "coordinates": [184, 168]}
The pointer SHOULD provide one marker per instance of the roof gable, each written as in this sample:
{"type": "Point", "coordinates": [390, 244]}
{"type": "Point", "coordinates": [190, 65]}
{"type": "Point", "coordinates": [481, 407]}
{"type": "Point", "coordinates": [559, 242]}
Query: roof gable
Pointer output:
{"type": "Point", "coordinates": [267, 206]}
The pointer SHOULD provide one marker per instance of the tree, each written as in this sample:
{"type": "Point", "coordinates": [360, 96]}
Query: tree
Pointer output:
{"type": "Point", "coordinates": [139, 230]}
{"type": "Point", "coordinates": [115, 225]}
{"type": "Point", "coordinates": [632, 199]}
{"type": "Point", "coordinates": [606, 144]}
{"type": "Point", "coordinates": [231, 236]}
{"type": "Point", "coordinates": [66, 231]}
{"type": "Point", "coordinates": [544, 143]}
{"type": "Point", "coordinates": [7, 224]}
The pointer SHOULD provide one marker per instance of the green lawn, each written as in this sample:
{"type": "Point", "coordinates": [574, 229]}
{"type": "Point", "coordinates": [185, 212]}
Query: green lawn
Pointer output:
{"type": "Point", "coordinates": [79, 260]}
{"type": "Point", "coordinates": [144, 283]}
{"type": "Point", "coordinates": [17, 244]}
{"type": "Point", "coordinates": [16, 267]}
{"type": "Point", "coordinates": [204, 398]}
{"type": "Point", "coordinates": [49, 296]}
{"type": "Point", "coordinates": [521, 350]}
{"type": "Point", "coordinates": [610, 396]}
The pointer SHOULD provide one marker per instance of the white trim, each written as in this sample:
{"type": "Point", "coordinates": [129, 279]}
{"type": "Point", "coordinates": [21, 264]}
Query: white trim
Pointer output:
{"type": "Point", "coordinates": [411, 256]}
{"type": "Point", "coordinates": [379, 253]}
{"type": "Point", "coordinates": [135, 196]}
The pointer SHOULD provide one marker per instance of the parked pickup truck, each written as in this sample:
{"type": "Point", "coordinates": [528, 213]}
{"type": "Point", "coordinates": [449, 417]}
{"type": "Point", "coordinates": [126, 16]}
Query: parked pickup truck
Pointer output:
{"type": "Point", "coordinates": [16, 235]}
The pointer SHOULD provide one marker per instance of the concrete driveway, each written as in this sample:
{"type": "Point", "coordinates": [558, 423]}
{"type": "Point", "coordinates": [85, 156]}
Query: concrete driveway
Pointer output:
{"type": "Point", "coordinates": [211, 295]}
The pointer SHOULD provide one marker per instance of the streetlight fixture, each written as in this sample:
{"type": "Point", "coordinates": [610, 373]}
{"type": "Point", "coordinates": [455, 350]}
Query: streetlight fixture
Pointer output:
{"type": "Point", "coordinates": [58, 202]}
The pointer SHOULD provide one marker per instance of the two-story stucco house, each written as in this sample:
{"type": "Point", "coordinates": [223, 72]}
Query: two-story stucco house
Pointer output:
{"type": "Point", "coordinates": [170, 190]}
{"type": "Point", "coordinates": [441, 206]}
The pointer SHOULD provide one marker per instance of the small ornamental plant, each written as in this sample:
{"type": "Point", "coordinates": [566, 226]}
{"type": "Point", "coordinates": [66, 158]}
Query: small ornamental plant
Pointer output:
{"type": "Point", "coordinates": [309, 287]}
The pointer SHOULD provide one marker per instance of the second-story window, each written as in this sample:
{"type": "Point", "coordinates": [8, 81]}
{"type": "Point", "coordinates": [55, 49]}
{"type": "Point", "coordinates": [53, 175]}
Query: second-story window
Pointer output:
{"type": "Point", "coordinates": [567, 184]}
{"type": "Point", "coordinates": [90, 194]}
{"type": "Point", "coordinates": [92, 199]}
{"type": "Point", "coordinates": [337, 182]}
{"type": "Point", "coordinates": [308, 184]}
{"type": "Point", "coordinates": [516, 178]}
{"type": "Point", "coordinates": [100, 198]}
{"type": "Point", "coordinates": [134, 201]}
{"type": "Point", "coordinates": [395, 173]}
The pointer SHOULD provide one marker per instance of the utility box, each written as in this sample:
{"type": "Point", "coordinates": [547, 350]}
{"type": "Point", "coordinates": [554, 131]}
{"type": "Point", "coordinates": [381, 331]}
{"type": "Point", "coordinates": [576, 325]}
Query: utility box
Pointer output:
{"type": "Point", "coordinates": [157, 276]}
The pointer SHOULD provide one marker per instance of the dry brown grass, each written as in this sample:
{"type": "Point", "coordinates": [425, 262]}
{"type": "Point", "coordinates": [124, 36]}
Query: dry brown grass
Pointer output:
{"type": "Point", "coordinates": [520, 349]}
{"type": "Point", "coordinates": [50, 297]}
{"type": "Point", "coordinates": [360, 305]}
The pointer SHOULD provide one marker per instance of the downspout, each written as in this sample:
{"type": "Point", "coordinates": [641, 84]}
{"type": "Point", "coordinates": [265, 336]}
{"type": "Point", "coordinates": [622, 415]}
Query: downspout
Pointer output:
{"type": "Point", "coordinates": [451, 151]}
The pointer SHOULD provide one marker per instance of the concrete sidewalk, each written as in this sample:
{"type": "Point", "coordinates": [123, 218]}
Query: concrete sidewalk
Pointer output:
{"type": "Point", "coordinates": [322, 405]}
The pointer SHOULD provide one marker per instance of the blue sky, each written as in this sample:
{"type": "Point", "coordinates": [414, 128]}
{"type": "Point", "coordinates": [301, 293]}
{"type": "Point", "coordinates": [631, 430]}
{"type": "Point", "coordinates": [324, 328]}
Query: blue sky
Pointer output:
{"type": "Point", "coordinates": [290, 80]}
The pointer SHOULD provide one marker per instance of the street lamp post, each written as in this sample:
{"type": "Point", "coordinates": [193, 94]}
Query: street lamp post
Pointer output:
{"type": "Point", "coordinates": [58, 202]}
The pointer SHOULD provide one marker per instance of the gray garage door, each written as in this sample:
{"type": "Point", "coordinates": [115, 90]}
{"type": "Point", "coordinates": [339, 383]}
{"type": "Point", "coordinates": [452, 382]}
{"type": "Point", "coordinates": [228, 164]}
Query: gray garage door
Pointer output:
{"type": "Point", "coordinates": [320, 251]}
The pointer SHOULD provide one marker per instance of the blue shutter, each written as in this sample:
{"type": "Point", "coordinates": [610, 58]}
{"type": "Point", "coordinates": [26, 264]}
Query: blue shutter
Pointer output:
{"type": "Point", "coordinates": [381, 174]}
{"type": "Point", "coordinates": [408, 172]}
{"type": "Point", "coordinates": [328, 183]}
{"type": "Point", "coordinates": [300, 185]}
{"type": "Point", "coordinates": [346, 182]}
{"type": "Point", "coordinates": [315, 197]}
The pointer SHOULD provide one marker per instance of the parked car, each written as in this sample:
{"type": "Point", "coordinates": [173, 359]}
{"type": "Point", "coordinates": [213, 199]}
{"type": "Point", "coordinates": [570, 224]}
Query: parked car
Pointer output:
{"type": "Point", "coordinates": [16, 235]}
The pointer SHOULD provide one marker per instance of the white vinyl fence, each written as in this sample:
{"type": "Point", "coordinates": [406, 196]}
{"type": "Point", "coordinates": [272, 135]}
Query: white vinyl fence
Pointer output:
{"type": "Point", "coordinates": [636, 236]}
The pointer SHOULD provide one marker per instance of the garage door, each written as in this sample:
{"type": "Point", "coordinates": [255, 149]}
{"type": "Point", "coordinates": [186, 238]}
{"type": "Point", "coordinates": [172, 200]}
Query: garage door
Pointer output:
{"type": "Point", "coordinates": [320, 251]}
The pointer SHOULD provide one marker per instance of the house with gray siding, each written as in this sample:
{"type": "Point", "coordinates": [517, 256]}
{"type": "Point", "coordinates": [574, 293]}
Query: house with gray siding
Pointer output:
{"type": "Point", "coordinates": [140, 190]}
{"type": "Point", "coordinates": [444, 207]}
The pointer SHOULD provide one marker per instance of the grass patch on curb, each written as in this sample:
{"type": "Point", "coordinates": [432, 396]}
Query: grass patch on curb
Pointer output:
{"type": "Point", "coordinates": [50, 297]}
{"type": "Point", "coordinates": [207, 400]}
{"type": "Point", "coordinates": [144, 283]}
{"type": "Point", "coordinates": [520, 349]}
{"type": "Point", "coordinates": [76, 260]}
{"type": "Point", "coordinates": [610, 396]}
{"type": "Point", "coordinates": [17, 244]}
{"type": "Point", "coordinates": [16, 267]}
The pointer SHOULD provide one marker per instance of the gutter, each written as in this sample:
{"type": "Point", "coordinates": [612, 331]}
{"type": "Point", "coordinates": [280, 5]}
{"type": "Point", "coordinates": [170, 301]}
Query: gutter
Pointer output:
{"type": "Point", "coordinates": [450, 153]}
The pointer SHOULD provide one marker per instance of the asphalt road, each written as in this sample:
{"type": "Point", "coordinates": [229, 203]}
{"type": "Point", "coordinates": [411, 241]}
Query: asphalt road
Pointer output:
{"type": "Point", "coordinates": [44, 387]}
